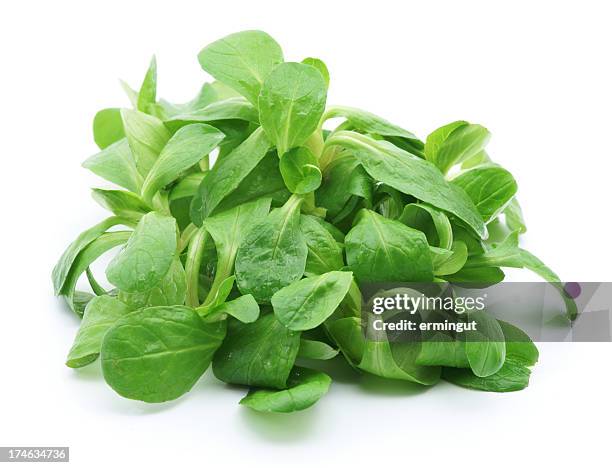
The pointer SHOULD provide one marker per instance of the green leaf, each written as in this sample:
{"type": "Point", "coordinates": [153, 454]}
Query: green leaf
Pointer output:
{"type": "Point", "coordinates": [291, 103]}
{"type": "Point", "coordinates": [310, 349]}
{"type": "Point", "coordinates": [490, 187]}
{"type": "Point", "coordinates": [306, 304]}
{"type": "Point", "coordinates": [341, 180]}
{"type": "Point", "coordinates": [148, 89]}
{"type": "Point", "coordinates": [514, 217]}
{"type": "Point", "coordinates": [147, 257]}
{"type": "Point", "coordinates": [66, 261]}
{"type": "Point", "coordinates": [108, 127]}
{"type": "Point", "coordinates": [513, 375]}
{"type": "Point", "coordinates": [127, 205]}
{"type": "Point", "coordinates": [410, 175]}
{"type": "Point", "coordinates": [436, 139]}
{"type": "Point", "coordinates": [228, 229]}
{"type": "Point", "coordinates": [208, 94]}
{"type": "Point", "coordinates": [477, 160]}
{"type": "Point", "coordinates": [485, 347]}
{"type": "Point", "coordinates": [455, 143]}
{"type": "Point", "coordinates": [158, 354]}
{"type": "Point", "coordinates": [130, 93]}
{"type": "Point", "coordinates": [227, 174]}
{"type": "Point", "coordinates": [216, 296]}
{"type": "Point", "coordinates": [300, 170]}
{"type": "Point", "coordinates": [381, 249]}
{"type": "Point", "coordinates": [440, 349]}
{"type": "Point", "coordinates": [264, 181]}
{"type": "Point", "coordinates": [455, 262]}
{"type": "Point", "coordinates": [485, 275]}
{"type": "Point", "coordinates": [242, 61]}
{"type": "Point", "coordinates": [244, 308]}
{"type": "Point", "coordinates": [260, 354]}
{"type": "Point", "coordinates": [171, 290]}
{"type": "Point", "coordinates": [80, 300]}
{"type": "Point", "coordinates": [518, 344]}
{"type": "Point", "coordinates": [186, 148]}
{"type": "Point", "coordinates": [93, 283]}
{"type": "Point", "coordinates": [366, 122]}
{"type": "Point", "coordinates": [347, 334]}
{"type": "Point", "coordinates": [234, 108]}
{"type": "Point", "coordinates": [86, 257]}
{"type": "Point", "coordinates": [324, 253]}
{"type": "Point", "coordinates": [146, 136]}
{"type": "Point", "coordinates": [396, 360]}
{"type": "Point", "coordinates": [273, 253]}
{"type": "Point", "coordinates": [116, 164]}
{"type": "Point", "coordinates": [306, 387]}
{"type": "Point", "coordinates": [186, 187]}
{"type": "Point", "coordinates": [100, 314]}
{"type": "Point", "coordinates": [431, 221]}
{"type": "Point", "coordinates": [319, 65]}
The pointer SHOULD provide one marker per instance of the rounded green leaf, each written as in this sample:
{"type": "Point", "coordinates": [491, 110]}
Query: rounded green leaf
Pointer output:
{"type": "Point", "coordinates": [319, 65]}
{"type": "Point", "coordinates": [261, 353]}
{"type": "Point", "coordinates": [273, 253]}
{"type": "Point", "coordinates": [291, 103]}
{"type": "Point", "coordinates": [311, 349]}
{"type": "Point", "coordinates": [485, 347]}
{"type": "Point", "coordinates": [381, 249]}
{"type": "Point", "coordinates": [306, 387]}
{"type": "Point", "coordinates": [300, 170]}
{"type": "Point", "coordinates": [147, 257]}
{"type": "Point", "coordinates": [490, 187]}
{"type": "Point", "coordinates": [101, 313]}
{"type": "Point", "coordinates": [431, 221]}
{"type": "Point", "coordinates": [242, 61]}
{"type": "Point", "coordinates": [171, 290]}
{"type": "Point", "coordinates": [108, 127]}
{"type": "Point", "coordinates": [324, 252]}
{"type": "Point", "coordinates": [158, 354]}
{"type": "Point", "coordinates": [186, 148]}
{"type": "Point", "coordinates": [306, 304]}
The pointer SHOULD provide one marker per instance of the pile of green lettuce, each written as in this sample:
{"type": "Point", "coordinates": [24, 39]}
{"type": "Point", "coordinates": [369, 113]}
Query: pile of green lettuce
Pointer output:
{"type": "Point", "coordinates": [253, 264]}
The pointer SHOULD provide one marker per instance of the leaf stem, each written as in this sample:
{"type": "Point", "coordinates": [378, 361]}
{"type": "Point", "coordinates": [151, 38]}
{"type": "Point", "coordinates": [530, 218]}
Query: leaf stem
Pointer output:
{"type": "Point", "coordinates": [193, 264]}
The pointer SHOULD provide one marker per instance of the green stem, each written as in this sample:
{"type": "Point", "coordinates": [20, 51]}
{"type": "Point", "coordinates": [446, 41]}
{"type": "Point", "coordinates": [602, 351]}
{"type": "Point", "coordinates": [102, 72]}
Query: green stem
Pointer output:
{"type": "Point", "coordinates": [161, 204]}
{"type": "Point", "coordinates": [193, 264]}
{"type": "Point", "coordinates": [95, 286]}
{"type": "Point", "coordinates": [205, 163]}
{"type": "Point", "coordinates": [224, 271]}
{"type": "Point", "coordinates": [186, 236]}
{"type": "Point", "coordinates": [315, 143]}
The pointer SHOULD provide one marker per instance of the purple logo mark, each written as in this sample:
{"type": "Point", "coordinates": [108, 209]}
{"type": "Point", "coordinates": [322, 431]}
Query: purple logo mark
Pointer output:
{"type": "Point", "coordinates": [573, 290]}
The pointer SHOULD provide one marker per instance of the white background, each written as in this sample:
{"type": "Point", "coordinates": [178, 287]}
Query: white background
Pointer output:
{"type": "Point", "coordinates": [537, 74]}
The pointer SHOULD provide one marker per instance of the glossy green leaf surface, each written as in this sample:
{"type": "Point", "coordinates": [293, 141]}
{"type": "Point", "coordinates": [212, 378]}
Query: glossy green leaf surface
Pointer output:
{"type": "Point", "coordinates": [147, 257]}
{"type": "Point", "coordinates": [291, 103]}
{"type": "Point", "coordinates": [108, 127]}
{"type": "Point", "coordinates": [381, 249]}
{"type": "Point", "coordinates": [273, 254]}
{"type": "Point", "coordinates": [227, 174]}
{"type": "Point", "coordinates": [411, 175]}
{"type": "Point", "coordinates": [307, 303]}
{"type": "Point", "coordinates": [490, 187]}
{"type": "Point", "coordinates": [100, 315]}
{"type": "Point", "coordinates": [186, 148]}
{"type": "Point", "coordinates": [260, 354]}
{"type": "Point", "coordinates": [158, 354]}
{"type": "Point", "coordinates": [306, 387]}
{"type": "Point", "coordinates": [242, 61]}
